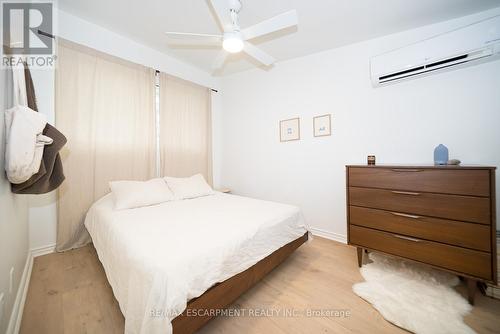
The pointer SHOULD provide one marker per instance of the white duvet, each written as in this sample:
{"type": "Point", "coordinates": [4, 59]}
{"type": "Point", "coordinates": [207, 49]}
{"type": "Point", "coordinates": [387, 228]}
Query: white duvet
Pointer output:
{"type": "Point", "coordinates": [159, 257]}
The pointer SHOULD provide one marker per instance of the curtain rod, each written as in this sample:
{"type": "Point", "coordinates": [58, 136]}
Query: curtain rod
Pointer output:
{"type": "Point", "coordinates": [43, 33]}
{"type": "Point", "coordinates": [212, 89]}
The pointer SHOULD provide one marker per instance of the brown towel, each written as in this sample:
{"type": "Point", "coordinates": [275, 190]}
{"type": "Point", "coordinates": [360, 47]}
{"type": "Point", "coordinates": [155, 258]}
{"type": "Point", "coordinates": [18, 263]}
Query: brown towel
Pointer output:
{"type": "Point", "coordinates": [50, 174]}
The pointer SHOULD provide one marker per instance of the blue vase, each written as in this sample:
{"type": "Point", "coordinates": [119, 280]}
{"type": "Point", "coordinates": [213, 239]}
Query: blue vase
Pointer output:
{"type": "Point", "coordinates": [440, 155]}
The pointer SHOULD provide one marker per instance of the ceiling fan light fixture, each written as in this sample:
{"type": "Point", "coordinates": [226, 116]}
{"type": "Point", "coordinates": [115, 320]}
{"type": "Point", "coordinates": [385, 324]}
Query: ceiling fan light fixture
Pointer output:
{"type": "Point", "coordinates": [232, 42]}
{"type": "Point", "coordinates": [234, 39]}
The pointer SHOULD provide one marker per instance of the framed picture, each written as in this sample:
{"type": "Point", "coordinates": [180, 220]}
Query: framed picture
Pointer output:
{"type": "Point", "coordinates": [322, 125]}
{"type": "Point", "coordinates": [290, 129]}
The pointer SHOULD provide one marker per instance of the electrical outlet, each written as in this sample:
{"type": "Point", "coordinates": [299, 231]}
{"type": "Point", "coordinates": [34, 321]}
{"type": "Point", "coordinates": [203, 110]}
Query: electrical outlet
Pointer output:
{"type": "Point", "coordinates": [11, 280]}
{"type": "Point", "coordinates": [1, 308]}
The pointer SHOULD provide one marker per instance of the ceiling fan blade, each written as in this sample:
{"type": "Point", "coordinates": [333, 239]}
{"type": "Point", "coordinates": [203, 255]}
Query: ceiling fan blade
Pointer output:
{"type": "Point", "coordinates": [282, 21]}
{"type": "Point", "coordinates": [222, 10]}
{"type": "Point", "coordinates": [190, 35]}
{"type": "Point", "coordinates": [258, 54]}
{"type": "Point", "coordinates": [183, 39]}
{"type": "Point", "coordinates": [190, 44]}
{"type": "Point", "coordinates": [219, 61]}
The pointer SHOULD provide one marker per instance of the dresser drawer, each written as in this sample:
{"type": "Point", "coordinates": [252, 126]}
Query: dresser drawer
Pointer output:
{"type": "Point", "coordinates": [447, 181]}
{"type": "Point", "coordinates": [475, 236]}
{"type": "Point", "coordinates": [471, 262]}
{"type": "Point", "coordinates": [462, 208]}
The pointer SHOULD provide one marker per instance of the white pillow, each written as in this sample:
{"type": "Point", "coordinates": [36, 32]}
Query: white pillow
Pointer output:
{"type": "Point", "coordinates": [189, 187]}
{"type": "Point", "coordinates": [134, 194]}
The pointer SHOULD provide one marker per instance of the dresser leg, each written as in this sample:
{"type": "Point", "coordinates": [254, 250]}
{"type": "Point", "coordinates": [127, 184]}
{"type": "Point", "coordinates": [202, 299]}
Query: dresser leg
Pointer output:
{"type": "Point", "coordinates": [471, 289]}
{"type": "Point", "coordinates": [360, 256]}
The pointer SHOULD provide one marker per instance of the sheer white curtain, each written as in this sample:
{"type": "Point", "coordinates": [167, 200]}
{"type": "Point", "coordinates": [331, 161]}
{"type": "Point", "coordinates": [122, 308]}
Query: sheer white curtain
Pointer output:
{"type": "Point", "coordinates": [105, 107]}
{"type": "Point", "coordinates": [185, 128]}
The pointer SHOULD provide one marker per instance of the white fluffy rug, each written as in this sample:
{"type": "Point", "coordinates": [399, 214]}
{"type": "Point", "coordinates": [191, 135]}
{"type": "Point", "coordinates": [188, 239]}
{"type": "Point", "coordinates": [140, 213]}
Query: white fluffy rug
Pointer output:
{"type": "Point", "coordinates": [413, 296]}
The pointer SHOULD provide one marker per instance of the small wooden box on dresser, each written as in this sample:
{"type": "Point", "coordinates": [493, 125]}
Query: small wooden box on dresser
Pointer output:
{"type": "Point", "coordinates": [443, 216]}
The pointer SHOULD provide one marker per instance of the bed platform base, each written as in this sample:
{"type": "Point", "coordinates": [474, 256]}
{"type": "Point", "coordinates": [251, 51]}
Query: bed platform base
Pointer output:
{"type": "Point", "coordinates": [223, 294]}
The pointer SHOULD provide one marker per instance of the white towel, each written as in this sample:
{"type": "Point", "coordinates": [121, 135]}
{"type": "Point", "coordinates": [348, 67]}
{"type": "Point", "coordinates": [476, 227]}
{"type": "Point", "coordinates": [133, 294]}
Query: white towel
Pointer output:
{"type": "Point", "coordinates": [24, 143]}
{"type": "Point", "coordinates": [19, 85]}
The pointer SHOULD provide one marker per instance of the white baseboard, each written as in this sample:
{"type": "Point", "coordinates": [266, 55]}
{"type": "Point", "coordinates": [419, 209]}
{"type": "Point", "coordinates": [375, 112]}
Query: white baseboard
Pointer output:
{"type": "Point", "coordinates": [17, 311]}
{"type": "Point", "coordinates": [22, 291]}
{"type": "Point", "coordinates": [329, 235]}
{"type": "Point", "coordinates": [39, 251]}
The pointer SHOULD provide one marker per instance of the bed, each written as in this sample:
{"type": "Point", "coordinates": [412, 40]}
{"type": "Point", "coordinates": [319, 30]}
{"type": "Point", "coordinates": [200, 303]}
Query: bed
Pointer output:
{"type": "Point", "coordinates": [164, 260]}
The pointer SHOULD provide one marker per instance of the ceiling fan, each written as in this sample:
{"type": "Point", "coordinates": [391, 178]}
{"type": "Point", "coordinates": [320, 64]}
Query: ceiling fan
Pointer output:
{"type": "Point", "coordinates": [234, 39]}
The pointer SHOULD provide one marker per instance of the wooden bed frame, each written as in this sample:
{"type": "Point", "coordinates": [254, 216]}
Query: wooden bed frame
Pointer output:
{"type": "Point", "coordinates": [223, 294]}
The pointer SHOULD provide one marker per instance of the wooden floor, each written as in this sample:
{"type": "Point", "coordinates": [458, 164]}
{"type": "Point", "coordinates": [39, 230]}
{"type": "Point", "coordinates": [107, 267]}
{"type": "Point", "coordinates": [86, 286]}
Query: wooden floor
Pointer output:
{"type": "Point", "coordinates": [69, 293]}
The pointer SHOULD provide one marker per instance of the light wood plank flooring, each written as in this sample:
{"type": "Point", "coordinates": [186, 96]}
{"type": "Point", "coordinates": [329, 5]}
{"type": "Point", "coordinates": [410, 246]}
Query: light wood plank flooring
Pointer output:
{"type": "Point", "coordinates": [69, 293]}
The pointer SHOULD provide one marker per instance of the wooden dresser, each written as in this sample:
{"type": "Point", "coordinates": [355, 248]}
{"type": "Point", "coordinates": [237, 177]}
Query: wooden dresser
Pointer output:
{"type": "Point", "coordinates": [443, 216]}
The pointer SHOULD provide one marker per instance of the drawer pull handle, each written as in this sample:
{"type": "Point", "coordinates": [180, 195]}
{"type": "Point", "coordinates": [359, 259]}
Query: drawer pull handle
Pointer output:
{"type": "Point", "coordinates": [405, 215]}
{"type": "Point", "coordinates": [406, 238]}
{"type": "Point", "coordinates": [406, 170]}
{"type": "Point", "coordinates": [405, 193]}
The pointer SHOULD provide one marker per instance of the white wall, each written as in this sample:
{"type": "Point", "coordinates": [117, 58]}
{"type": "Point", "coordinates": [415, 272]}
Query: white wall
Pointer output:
{"type": "Point", "coordinates": [13, 221]}
{"type": "Point", "coordinates": [401, 123]}
{"type": "Point", "coordinates": [42, 208]}
{"type": "Point", "coordinates": [43, 216]}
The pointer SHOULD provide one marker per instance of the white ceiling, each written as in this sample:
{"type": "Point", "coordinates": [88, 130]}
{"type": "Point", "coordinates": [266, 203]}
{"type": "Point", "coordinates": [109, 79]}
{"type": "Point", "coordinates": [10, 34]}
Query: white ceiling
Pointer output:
{"type": "Point", "coordinates": [323, 24]}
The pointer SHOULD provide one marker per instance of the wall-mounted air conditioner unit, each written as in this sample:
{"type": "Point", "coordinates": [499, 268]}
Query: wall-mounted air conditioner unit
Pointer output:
{"type": "Point", "coordinates": [473, 44]}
